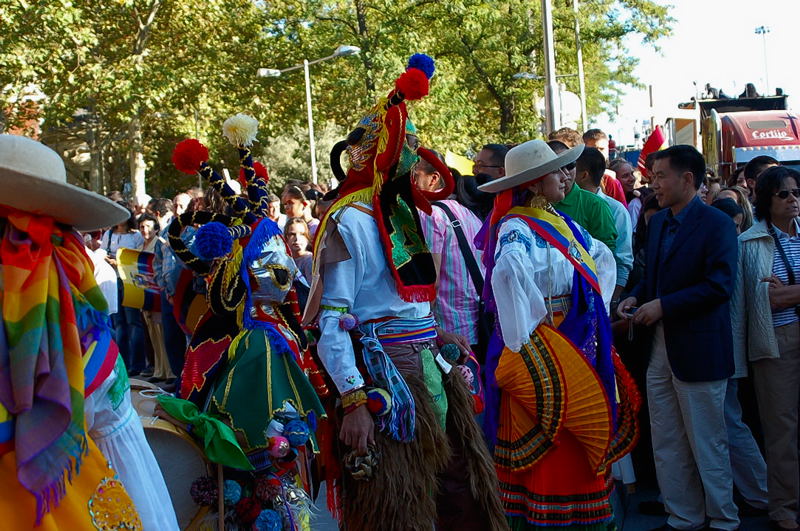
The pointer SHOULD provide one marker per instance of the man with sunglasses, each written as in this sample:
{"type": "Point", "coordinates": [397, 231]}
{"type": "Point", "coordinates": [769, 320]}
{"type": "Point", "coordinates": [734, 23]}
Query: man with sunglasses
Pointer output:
{"type": "Point", "coordinates": [585, 208]}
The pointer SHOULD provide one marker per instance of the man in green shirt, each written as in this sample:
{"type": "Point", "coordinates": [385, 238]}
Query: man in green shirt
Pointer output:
{"type": "Point", "coordinates": [587, 209]}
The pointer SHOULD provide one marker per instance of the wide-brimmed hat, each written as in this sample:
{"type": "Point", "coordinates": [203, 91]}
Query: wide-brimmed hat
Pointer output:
{"type": "Point", "coordinates": [528, 162]}
{"type": "Point", "coordinates": [33, 179]}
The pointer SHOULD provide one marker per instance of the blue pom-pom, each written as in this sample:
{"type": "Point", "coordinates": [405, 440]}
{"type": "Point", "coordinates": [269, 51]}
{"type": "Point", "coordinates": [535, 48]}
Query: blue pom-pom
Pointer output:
{"type": "Point", "coordinates": [451, 352]}
{"type": "Point", "coordinates": [233, 492]}
{"type": "Point", "coordinates": [269, 520]}
{"type": "Point", "coordinates": [297, 432]}
{"type": "Point", "coordinates": [423, 62]}
{"type": "Point", "coordinates": [212, 240]}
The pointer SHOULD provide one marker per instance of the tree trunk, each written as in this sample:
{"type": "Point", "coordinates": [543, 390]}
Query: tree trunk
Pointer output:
{"type": "Point", "coordinates": [95, 159]}
{"type": "Point", "coordinates": [506, 115]}
{"type": "Point", "coordinates": [366, 47]}
{"type": "Point", "coordinates": [138, 168]}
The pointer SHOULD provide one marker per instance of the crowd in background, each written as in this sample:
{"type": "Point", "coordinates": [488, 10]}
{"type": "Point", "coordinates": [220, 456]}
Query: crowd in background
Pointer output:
{"type": "Point", "coordinates": [614, 201]}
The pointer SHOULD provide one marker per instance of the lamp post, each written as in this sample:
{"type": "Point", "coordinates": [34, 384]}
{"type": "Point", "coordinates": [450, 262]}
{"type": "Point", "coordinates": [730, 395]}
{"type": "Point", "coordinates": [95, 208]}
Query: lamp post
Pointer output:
{"type": "Point", "coordinates": [763, 30]}
{"type": "Point", "coordinates": [550, 88]}
{"type": "Point", "coordinates": [341, 51]}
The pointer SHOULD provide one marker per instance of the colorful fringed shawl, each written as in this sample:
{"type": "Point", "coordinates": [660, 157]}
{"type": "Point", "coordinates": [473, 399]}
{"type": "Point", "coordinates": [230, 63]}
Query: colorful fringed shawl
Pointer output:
{"type": "Point", "coordinates": [53, 312]}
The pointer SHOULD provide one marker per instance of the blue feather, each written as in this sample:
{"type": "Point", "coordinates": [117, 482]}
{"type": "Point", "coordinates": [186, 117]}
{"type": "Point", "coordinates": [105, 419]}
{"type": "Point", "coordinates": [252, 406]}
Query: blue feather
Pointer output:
{"type": "Point", "coordinates": [423, 62]}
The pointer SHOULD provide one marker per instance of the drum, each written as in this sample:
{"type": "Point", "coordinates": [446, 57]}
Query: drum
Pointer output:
{"type": "Point", "coordinates": [181, 461]}
{"type": "Point", "coordinates": [143, 396]}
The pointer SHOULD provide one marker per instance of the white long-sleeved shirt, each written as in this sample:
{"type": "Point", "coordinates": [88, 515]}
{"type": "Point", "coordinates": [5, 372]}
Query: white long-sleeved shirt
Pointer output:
{"type": "Point", "coordinates": [527, 270]}
{"type": "Point", "coordinates": [623, 254]}
{"type": "Point", "coordinates": [364, 286]}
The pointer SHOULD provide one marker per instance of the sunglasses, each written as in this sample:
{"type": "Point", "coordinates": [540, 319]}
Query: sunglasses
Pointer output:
{"type": "Point", "coordinates": [783, 194]}
{"type": "Point", "coordinates": [569, 167]}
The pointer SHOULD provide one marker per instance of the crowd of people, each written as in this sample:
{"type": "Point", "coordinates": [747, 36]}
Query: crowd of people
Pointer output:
{"type": "Point", "coordinates": [487, 351]}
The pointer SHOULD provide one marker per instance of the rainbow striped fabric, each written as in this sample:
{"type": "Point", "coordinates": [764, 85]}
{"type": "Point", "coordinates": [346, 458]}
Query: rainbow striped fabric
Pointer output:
{"type": "Point", "coordinates": [51, 309]}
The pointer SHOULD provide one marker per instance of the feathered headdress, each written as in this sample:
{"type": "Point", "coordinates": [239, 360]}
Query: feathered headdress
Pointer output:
{"type": "Point", "coordinates": [380, 165]}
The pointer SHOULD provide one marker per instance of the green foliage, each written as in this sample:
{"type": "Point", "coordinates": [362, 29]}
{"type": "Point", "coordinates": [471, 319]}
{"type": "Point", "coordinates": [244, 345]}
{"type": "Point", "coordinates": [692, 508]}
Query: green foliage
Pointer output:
{"type": "Point", "coordinates": [182, 67]}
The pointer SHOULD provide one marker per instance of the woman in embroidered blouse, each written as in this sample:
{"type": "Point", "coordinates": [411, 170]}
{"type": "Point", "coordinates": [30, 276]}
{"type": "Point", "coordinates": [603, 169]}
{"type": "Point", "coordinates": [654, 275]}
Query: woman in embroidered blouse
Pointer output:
{"type": "Point", "coordinates": [558, 379]}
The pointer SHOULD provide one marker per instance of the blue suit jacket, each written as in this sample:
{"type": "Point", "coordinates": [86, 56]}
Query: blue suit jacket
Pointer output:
{"type": "Point", "coordinates": [696, 278]}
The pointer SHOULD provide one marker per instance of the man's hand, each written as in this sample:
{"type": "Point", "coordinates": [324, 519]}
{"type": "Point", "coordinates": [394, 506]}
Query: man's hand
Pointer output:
{"type": "Point", "coordinates": [649, 313]}
{"type": "Point", "coordinates": [459, 340]}
{"type": "Point", "coordinates": [782, 296]}
{"type": "Point", "coordinates": [624, 307]}
{"type": "Point", "coordinates": [358, 429]}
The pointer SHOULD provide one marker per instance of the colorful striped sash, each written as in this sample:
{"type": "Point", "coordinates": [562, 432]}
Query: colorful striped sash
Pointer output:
{"type": "Point", "coordinates": [406, 330]}
{"type": "Point", "coordinates": [557, 233]}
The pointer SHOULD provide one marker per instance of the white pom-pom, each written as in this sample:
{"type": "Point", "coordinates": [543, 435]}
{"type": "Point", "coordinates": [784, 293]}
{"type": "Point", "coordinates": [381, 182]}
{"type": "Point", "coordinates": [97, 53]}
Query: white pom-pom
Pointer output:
{"type": "Point", "coordinates": [240, 130]}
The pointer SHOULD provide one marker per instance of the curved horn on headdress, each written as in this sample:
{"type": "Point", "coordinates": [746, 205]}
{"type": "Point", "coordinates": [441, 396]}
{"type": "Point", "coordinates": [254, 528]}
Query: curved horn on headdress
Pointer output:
{"type": "Point", "coordinates": [449, 184]}
{"type": "Point", "coordinates": [190, 156]}
{"type": "Point", "coordinates": [181, 250]}
{"type": "Point", "coordinates": [336, 159]}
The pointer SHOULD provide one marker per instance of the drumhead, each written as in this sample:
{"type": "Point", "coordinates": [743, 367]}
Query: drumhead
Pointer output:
{"type": "Point", "coordinates": [181, 461]}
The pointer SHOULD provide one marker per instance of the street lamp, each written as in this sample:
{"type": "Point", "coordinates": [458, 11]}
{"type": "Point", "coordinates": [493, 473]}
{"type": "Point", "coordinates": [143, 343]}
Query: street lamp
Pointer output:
{"type": "Point", "coordinates": [341, 51]}
{"type": "Point", "coordinates": [763, 30]}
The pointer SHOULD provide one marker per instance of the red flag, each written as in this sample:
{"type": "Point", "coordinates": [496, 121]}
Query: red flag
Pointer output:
{"type": "Point", "coordinates": [655, 142]}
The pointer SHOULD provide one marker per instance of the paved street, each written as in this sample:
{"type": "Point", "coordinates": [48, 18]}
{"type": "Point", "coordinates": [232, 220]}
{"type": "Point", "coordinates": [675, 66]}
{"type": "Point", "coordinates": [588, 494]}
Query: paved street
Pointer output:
{"type": "Point", "coordinates": [627, 507]}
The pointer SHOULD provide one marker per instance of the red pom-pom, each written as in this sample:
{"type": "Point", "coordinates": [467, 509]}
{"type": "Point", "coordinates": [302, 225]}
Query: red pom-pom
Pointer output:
{"type": "Point", "coordinates": [247, 510]}
{"type": "Point", "coordinates": [261, 172]}
{"type": "Point", "coordinates": [412, 84]}
{"type": "Point", "coordinates": [188, 155]}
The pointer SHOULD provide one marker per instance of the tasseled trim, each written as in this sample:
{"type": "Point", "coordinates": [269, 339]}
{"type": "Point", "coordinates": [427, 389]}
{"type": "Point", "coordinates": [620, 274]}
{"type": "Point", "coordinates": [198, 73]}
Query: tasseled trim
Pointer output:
{"type": "Point", "coordinates": [50, 496]}
{"type": "Point", "coordinates": [626, 434]}
{"type": "Point", "coordinates": [415, 293]}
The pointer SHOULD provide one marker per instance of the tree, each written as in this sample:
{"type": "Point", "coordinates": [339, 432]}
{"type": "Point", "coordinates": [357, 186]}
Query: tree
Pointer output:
{"type": "Point", "coordinates": [128, 79]}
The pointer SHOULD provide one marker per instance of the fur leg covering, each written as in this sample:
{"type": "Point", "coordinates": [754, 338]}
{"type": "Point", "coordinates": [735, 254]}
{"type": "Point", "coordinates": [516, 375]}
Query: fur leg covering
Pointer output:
{"type": "Point", "coordinates": [469, 447]}
{"type": "Point", "coordinates": [401, 496]}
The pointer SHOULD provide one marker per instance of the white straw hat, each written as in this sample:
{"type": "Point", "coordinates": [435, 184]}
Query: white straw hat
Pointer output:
{"type": "Point", "coordinates": [529, 161]}
{"type": "Point", "coordinates": [33, 179]}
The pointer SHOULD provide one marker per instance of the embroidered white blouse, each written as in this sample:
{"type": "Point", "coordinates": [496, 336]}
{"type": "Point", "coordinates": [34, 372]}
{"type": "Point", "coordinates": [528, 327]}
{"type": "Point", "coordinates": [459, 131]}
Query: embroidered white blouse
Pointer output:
{"type": "Point", "coordinates": [527, 269]}
{"type": "Point", "coordinates": [364, 286]}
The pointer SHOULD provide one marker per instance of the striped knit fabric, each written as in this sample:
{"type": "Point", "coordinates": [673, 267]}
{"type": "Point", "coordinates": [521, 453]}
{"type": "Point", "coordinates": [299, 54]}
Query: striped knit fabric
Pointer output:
{"type": "Point", "coordinates": [791, 246]}
{"type": "Point", "coordinates": [456, 308]}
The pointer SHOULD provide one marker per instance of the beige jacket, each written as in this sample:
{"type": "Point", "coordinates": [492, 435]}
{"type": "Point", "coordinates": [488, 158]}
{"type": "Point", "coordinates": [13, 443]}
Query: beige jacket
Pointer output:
{"type": "Point", "coordinates": [753, 332]}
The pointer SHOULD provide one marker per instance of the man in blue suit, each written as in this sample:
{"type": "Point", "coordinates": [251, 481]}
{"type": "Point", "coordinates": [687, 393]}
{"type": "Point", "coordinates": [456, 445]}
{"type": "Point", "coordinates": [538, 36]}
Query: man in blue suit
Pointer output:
{"type": "Point", "coordinates": [684, 297]}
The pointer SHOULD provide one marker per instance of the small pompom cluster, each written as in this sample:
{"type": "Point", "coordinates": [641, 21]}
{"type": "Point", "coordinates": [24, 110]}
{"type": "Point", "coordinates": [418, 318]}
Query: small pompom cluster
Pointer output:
{"type": "Point", "coordinates": [240, 129]}
{"type": "Point", "coordinates": [269, 520]}
{"type": "Point", "coordinates": [232, 492]}
{"type": "Point", "coordinates": [204, 491]}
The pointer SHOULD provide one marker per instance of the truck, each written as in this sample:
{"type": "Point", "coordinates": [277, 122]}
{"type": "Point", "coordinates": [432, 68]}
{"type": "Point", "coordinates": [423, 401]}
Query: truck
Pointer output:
{"type": "Point", "coordinates": [733, 131]}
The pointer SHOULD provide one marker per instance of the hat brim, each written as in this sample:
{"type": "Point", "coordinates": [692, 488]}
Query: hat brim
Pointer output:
{"type": "Point", "coordinates": [532, 174]}
{"type": "Point", "coordinates": [64, 202]}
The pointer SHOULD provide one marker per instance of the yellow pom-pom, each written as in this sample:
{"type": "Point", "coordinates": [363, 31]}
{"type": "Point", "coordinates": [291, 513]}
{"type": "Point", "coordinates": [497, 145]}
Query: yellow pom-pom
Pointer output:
{"type": "Point", "coordinates": [240, 130]}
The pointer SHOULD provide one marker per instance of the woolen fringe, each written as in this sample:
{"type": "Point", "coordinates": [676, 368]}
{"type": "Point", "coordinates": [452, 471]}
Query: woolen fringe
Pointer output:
{"type": "Point", "coordinates": [465, 432]}
{"type": "Point", "coordinates": [402, 493]}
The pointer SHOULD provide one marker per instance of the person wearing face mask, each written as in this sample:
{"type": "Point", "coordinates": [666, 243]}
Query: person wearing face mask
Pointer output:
{"type": "Point", "coordinates": [585, 208]}
{"type": "Point", "coordinates": [550, 283]}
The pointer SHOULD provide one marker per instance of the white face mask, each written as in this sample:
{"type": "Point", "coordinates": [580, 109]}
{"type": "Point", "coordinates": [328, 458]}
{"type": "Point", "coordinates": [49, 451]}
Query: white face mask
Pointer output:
{"type": "Point", "coordinates": [274, 271]}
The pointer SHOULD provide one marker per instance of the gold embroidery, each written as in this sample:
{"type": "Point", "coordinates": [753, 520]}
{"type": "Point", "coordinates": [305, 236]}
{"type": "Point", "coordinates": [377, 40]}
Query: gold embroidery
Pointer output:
{"type": "Point", "coordinates": [111, 508]}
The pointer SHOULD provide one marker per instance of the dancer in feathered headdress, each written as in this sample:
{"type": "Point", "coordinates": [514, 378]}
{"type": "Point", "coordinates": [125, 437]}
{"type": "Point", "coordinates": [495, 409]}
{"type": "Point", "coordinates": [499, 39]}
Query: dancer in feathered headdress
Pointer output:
{"type": "Point", "coordinates": [414, 456]}
{"type": "Point", "coordinates": [249, 376]}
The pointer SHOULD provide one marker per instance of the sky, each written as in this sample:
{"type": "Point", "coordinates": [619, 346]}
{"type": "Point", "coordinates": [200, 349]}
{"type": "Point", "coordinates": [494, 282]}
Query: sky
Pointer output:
{"type": "Point", "coordinates": [713, 41]}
